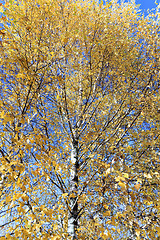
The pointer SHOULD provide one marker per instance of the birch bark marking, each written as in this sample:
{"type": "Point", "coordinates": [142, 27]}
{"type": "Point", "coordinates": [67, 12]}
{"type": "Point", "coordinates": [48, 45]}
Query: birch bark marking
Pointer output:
{"type": "Point", "coordinates": [73, 217]}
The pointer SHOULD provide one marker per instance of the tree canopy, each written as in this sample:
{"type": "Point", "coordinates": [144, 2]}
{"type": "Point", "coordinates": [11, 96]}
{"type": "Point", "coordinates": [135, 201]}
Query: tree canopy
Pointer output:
{"type": "Point", "coordinates": [79, 120]}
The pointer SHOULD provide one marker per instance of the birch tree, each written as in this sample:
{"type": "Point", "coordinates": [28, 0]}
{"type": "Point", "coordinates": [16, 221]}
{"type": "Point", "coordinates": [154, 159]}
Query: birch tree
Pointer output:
{"type": "Point", "coordinates": [79, 115]}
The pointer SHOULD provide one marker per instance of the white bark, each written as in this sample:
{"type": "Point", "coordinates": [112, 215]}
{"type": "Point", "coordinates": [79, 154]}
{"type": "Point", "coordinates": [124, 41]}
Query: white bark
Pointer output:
{"type": "Point", "coordinates": [73, 216]}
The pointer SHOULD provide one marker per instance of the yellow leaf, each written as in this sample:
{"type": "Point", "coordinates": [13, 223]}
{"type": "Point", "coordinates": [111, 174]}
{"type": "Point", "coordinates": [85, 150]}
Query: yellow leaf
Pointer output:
{"type": "Point", "coordinates": [65, 195]}
{"type": "Point", "coordinates": [8, 236]}
{"type": "Point", "coordinates": [20, 75]}
{"type": "Point", "coordinates": [47, 178]}
{"type": "Point", "coordinates": [119, 178]}
{"type": "Point", "coordinates": [8, 118]}
{"type": "Point", "coordinates": [38, 227]}
{"type": "Point", "coordinates": [55, 237]}
{"type": "Point", "coordinates": [54, 163]}
{"type": "Point", "coordinates": [158, 230]}
{"type": "Point", "coordinates": [8, 199]}
{"type": "Point", "coordinates": [2, 114]}
{"type": "Point", "coordinates": [65, 40]}
{"type": "Point", "coordinates": [25, 197]}
{"type": "Point", "coordinates": [137, 186]}
{"type": "Point", "coordinates": [72, 195]}
{"type": "Point", "coordinates": [105, 206]}
{"type": "Point", "coordinates": [52, 53]}
{"type": "Point", "coordinates": [126, 175]}
{"type": "Point", "coordinates": [122, 185]}
{"type": "Point", "coordinates": [147, 175]}
{"type": "Point", "coordinates": [107, 213]}
{"type": "Point", "coordinates": [23, 188]}
{"type": "Point", "coordinates": [22, 121]}
{"type": "Point", "coordinates": [55, 227]}
{"type": "Point", "coordinates": [118, 230]}
{"type": "Point", "coordinates": [1, 10]}
{"type": "Point", "coordinates": [108, 171]}
{"type": "Point", "coordinates": [138, 233]}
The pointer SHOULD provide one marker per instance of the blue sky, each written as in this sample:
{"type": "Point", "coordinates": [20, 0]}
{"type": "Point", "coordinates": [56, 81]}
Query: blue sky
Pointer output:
{"type": "Point", "coordinates": [144, 4]}
{"type": "Point", "coordinates": [147, 4]}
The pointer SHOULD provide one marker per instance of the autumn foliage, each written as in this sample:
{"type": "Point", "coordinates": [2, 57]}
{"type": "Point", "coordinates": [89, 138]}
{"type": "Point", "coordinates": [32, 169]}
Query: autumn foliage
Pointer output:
{"type": "Point", "coordinates": [79, 120]}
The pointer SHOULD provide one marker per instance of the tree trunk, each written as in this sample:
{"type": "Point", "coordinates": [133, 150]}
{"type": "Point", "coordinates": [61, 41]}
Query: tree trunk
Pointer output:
{"type": "Point", "coordinates": [73, 215]}
{"type": "Point", "coordinates": [133, 235]}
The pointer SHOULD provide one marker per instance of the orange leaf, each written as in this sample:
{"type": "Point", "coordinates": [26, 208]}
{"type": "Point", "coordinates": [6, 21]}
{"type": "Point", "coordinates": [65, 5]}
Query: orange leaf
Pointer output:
{"type": "Point", "coordinates": [137, 186]}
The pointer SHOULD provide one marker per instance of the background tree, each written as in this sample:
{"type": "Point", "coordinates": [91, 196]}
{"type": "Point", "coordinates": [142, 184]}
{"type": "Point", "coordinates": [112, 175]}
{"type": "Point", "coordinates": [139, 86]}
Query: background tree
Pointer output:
{"type": "Point", "coordinates": [79, 121]}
